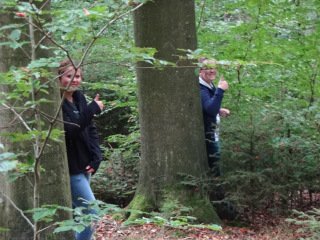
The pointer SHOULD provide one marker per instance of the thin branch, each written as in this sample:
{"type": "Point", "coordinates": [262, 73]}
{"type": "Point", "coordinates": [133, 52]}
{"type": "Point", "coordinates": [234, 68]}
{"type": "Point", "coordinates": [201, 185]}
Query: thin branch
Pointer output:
{"type": "Point", "coordinates": [201, 14]}
{"type": "Point", "coordinates": [39, 42]}
{"type": "Point", "coordinates": [43, 229]}
{"type": "Point", "coordinates": [32, 39]}
{"type": "Point", "coordinates": [104, 28]}
{"type": "Point", "coordinates": [22, 49]}
{"type": "Point", "coordinates": [18, 209]}
{"type": "Point", "coordinates": [47, 35]}
{"type": "Point", "coordinates": [18, 116]}
{"type": "Point", "coordinates": [51, 119]}
{"type": "Point", "coordinates": [44, 4]}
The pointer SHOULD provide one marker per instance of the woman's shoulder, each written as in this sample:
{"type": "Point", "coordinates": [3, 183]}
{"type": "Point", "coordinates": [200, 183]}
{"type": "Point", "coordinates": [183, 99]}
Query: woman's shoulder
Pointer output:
{"type": "Point", "coordinates": [79, 96]}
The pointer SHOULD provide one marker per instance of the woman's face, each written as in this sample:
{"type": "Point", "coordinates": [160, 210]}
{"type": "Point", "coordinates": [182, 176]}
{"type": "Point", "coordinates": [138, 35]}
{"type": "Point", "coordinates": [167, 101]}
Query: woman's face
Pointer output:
{"type": "Point", "coordinates": [70, 75]}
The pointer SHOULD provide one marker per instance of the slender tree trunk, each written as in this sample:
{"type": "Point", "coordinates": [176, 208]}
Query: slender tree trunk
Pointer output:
{"type": "Point", "coordinates": [53, 184]}
{"type": "Point", "coordinates": [173, 146]}
{"type": "Point", "coordinates": [19, 191]}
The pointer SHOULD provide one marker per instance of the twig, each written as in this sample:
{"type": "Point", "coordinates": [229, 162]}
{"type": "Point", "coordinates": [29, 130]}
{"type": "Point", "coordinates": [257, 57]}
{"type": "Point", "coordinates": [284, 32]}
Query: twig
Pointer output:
{"type": "Point", "coordinates": [47, 35]}
{"type": "Point", "coordinates": [18, 209]}
{"type": "Point", "coordinates": [44, 4]}
{"type": "Point", "coordinates": [18, 116]}
{"type": "Point", "coordinates": [51, 118]}
{"type": "Point", "coordinates": [43, 229]}
{"type": "Point", "coordinates": [40, 41]}
{"type": "Point", "coordinates": [201, 14]}
{"type": "Point", "coordinates": [104, 28]}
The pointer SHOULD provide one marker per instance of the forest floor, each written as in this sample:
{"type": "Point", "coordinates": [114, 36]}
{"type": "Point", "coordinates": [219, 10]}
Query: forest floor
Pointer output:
{"type": "Point", "coordinates": [262, 227]}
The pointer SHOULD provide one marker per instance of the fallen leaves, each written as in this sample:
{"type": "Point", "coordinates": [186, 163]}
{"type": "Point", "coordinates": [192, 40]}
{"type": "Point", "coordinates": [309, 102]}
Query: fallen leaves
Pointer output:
{"type": "Point", "coordinates": [109, 228]}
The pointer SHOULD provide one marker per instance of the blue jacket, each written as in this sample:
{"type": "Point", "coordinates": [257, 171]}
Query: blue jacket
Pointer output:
{"type": "Point", "coordinates": [81, 137]}
{"type": "Point", "coordinates": [211, 100]}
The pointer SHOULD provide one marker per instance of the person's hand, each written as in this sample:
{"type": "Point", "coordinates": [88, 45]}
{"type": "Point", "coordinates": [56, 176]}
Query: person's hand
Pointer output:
{"type": "Point", "coordinates": [100, 103]}
{"type": "Point", "coordinates": [223, 112]}
{"type": "Point", "coordinates": [90, 169]}
{"type": "Point", "coordinates": [223, 84]}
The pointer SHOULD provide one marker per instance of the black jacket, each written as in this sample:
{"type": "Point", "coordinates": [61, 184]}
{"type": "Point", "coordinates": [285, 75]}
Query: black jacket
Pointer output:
{"type": "Point", "coordinates": [80, 133]}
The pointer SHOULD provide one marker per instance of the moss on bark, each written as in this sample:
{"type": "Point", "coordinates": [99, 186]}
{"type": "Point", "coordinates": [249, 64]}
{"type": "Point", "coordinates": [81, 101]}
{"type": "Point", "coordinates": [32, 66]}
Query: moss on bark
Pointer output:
{"type": "Point", "coordinates": [175, 202]}
{"type": "Point", "coordinates": [139, 205]}
{"type": "Point", "coordinates": [193, 203]}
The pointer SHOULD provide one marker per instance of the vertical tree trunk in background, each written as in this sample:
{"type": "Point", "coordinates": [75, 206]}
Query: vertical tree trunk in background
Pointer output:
{"type": "Point", "coordinates": [21, 190]}
{"type": "Point", "coordinates": [170, 112]}
{"type": "Point", "coordinates": [55, 185]}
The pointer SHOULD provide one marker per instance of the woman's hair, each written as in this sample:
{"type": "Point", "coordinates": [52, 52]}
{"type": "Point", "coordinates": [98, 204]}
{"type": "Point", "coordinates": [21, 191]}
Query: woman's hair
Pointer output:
{"type": "Point", "coordinates": [64, 65]}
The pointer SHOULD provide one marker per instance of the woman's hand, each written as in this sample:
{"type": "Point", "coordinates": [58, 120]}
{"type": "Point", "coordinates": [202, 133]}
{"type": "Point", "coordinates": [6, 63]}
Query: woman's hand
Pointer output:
{"type": "Point", "coordinates": [100, 103]}
{"type": "Point", "coordinates": [90, 169]}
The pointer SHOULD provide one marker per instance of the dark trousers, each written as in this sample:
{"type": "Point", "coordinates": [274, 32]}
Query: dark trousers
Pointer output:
{"type": "Point", "coordinates": [213, 154]}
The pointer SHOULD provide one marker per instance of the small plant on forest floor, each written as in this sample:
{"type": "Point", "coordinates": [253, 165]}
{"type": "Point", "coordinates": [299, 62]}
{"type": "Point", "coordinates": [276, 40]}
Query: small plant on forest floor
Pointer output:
{"type": "Point", "coordinates": [308, 222]}
{"type": "Point", "coordinates": [81, 219]}
{"type": "Point", "coordinates": [179, 222]}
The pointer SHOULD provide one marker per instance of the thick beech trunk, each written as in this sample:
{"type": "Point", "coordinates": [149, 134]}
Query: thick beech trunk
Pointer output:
{"type": "Point", "coordinates": [173, 146]}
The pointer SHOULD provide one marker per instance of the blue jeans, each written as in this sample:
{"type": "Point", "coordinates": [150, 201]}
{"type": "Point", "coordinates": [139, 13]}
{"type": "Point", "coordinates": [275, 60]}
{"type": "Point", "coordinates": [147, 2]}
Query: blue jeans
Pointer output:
{"type": "Point", "coordinates": [80, 188]}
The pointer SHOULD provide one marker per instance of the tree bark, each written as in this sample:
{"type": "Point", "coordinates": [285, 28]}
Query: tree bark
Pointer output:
{"type": "Point", "coordinates": [54, 187]}
{"type": "Point", "coordinates": [172, 136]}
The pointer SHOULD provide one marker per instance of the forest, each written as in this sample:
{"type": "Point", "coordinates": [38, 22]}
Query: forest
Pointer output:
{"type": "Point", "coordinates": [142, 58]}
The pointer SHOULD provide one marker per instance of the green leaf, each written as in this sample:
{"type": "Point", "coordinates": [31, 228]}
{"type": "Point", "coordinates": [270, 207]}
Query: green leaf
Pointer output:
{"type": "Point", "coordinates": [43, 214]}
{"type": "Point", "coordinates": [10, 26]}
{"type": "Point", "coordinates": [6, 166]}
{"type": "Point", "coordinates": [56, 135]}
{"type": "Point", "coordinates": [15, 35]}
{"type": "Point", "coordinates": [7, 156]}
{"type": "Point", "coordinates": [76, 227]}
{"type": "Point", "coordinates": [213, 227]}
{"type": "Point", "coordinates": [44, 62]}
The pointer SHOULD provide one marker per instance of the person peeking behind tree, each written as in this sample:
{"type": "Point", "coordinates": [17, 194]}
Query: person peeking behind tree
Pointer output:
{"type": "Point", "coordinates": [82, 142]}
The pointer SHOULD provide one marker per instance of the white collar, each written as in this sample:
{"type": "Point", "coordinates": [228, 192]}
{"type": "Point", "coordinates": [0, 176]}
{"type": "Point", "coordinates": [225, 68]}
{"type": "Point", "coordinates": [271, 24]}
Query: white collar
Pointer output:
{"type": "Point", "coordinates": [203, 82]}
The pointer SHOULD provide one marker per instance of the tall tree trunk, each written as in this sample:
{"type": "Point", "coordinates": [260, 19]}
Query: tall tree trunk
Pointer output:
{"type": "Point", "coordinates": [173, 146]}
{"type": "Point", "coordinates": [54, 185]}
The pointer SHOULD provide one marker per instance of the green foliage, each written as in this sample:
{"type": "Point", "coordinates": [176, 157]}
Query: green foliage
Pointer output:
{"type": "Point", "coordinates": [7, 160]}
{"type": "Point", "coordinates": [180, 222]}
{"type": "Point", "coordinates": [119, 129]}
{"type": "Point", "coordinates": [26, 87]}
{"type": "Point", "coordinates": [69, 225]}
{"type": "Point", "coordinates": [47, 213]}
{"type": "Point", "coordinates": [120, 173]}
{"type": "Point", "coordinates": [287, 164]}
{"type": "Point", "coordinates": [308, 222]}
{"type": "Point", "coordinates": [81, 217]}
{"type": "Point", "coordinates": [267, 50]}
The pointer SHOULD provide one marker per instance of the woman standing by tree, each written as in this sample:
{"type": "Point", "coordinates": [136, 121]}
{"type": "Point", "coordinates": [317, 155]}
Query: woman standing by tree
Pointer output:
{"type": "Point", "coordinates": [84, 154]}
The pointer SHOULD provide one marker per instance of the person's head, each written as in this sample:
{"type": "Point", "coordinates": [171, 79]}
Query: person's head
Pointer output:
{"type": "Point", "coordinates": [208, 71]}
{"type": "Point", "coordinates": [68, 73]}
